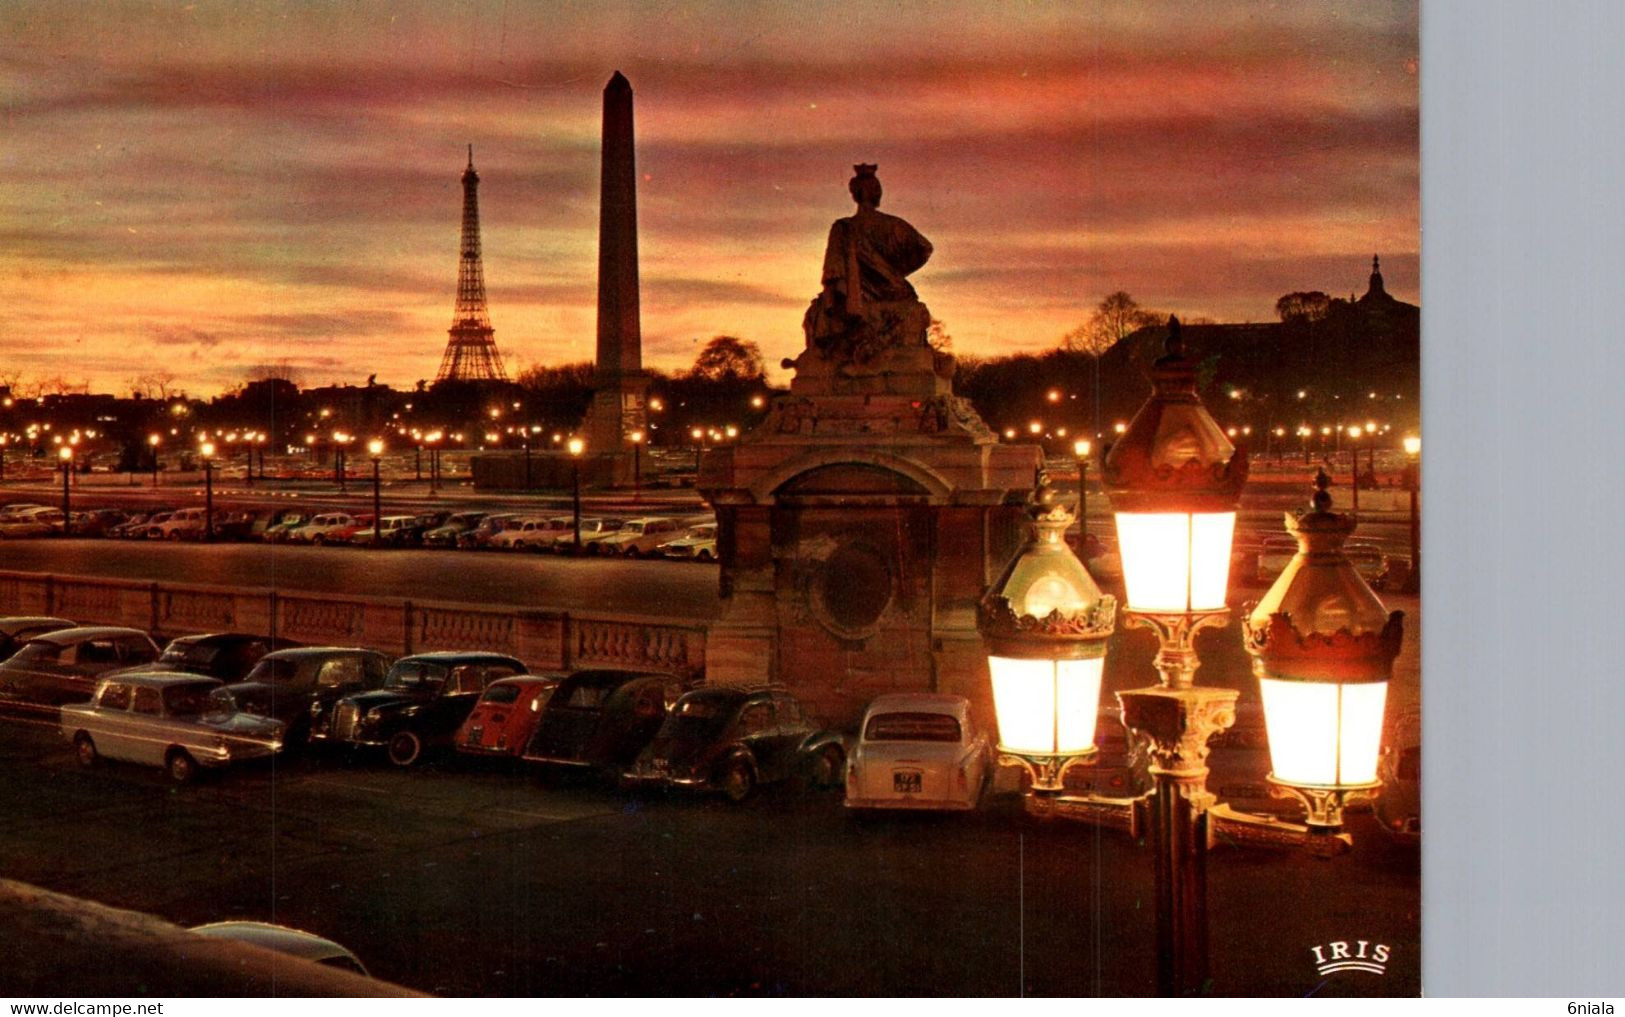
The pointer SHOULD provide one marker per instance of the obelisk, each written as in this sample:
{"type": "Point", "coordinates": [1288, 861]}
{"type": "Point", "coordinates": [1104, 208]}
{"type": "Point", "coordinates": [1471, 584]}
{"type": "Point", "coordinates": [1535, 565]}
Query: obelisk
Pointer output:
{"type": "Point", "coordinates": [620, 387]}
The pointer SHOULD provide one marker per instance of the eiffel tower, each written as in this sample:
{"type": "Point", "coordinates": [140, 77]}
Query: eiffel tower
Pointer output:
{"type": "Point", "coordinates": [471, 354]}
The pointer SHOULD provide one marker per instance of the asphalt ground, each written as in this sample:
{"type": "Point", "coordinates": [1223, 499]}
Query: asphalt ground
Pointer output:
{"type": "Point", "coordinates": [478, 880]}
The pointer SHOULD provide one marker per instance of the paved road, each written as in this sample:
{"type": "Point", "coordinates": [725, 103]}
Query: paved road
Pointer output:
{"type": "Point", "coordinates": [481, 881]}
{"type": "Point", "coordinates": [659, 588]}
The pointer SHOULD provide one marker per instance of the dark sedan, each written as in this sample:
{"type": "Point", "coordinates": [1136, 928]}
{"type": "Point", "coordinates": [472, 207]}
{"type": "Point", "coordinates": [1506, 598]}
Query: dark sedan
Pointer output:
{"type": "Point", "coordinates": [63, 667]}
{"type": "Point", "coordinates": [603, 719]}
{"type": "Point", "coordinates": [425, 699]}
{"type": "Point", "coordinates": [295, 685]}
{"type": "Point", "coordinates": [735, 739]}
{"type": "Point", "coordinates": [14, 632]}
{"type": "Point", "coordinates": [228, 656]}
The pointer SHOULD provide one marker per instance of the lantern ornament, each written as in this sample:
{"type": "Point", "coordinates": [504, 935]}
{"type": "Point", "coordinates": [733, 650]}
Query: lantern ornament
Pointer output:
{"type": "Point", "coordinates": [1323, 649]}
{"type": "Point", "coordinates": [1174, 481]}
{"type": "Point", "coordinates": [1045, 624]}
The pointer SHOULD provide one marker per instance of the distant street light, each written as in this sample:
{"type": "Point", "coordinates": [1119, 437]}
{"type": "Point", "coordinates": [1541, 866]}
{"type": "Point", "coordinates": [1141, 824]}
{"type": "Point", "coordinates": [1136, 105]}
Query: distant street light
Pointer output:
{"type": "Point", "coordinates": [637, 464]}
{"type": "Point", "coordinates": [1413, 484]}
{"type": "Point", "coordinates": [207, 450]}
{"type": "Point", "coordinates": [65, 453]}
{"type": "Point", "coordinates": [375, 448]}
{"type": "Point", "coordinates": [1080, 452]}
{"type": "Point", "coordinates": [153, 441]}
{"type": "Point", "coordinates": [4, 439]}
{"type": "Point", "coordinates": [577, 446]}
{"type": "Point", "coordinates": [1354, 465]}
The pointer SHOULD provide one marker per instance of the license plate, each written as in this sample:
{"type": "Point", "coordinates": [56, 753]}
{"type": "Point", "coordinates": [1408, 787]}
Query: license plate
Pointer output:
{"type": "Point", "coordinates": [906, 782]}
{"type": "Point", "coordinates": [474, 734]}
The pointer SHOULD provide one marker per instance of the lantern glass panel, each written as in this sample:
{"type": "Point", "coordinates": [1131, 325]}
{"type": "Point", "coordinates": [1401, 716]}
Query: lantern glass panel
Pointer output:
{"type": "Point", "coordinates": [1323, 733]}
{"type": "Point", "coordinates": [1175, 561]}
{"type": "Point", "coordinates": [1046, 707]}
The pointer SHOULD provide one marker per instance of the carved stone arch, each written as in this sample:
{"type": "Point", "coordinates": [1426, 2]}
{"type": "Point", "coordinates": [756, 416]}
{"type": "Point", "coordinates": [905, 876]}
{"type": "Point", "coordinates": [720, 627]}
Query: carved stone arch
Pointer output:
{"type": "Point", "coordinates": [913, 479]}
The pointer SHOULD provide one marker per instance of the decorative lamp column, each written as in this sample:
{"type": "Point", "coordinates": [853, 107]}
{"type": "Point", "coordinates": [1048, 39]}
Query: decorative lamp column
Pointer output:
{"type": "Point", "coordinates": [1323, 648]}
{"type": "Point", "coordinates": [576, 447]}
{"type": "Point", "coordinates": [375, 448]}
{"type": "Point", "coordinates": [1045, 624]}
{"type": "Point", "coordinates": [206, 449]}
{"type": "Point", "coordinates": [1080, 452]}
{"type": "Point", "coordinates": [65, 453]}
{"type": "Point", "coordinates": [637, 463]}
{"type": "Point", "coordinates": [1174, 481]}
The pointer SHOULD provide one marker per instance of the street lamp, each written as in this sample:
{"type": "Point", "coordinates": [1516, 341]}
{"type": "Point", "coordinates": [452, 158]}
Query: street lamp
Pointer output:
{"type": "Point", "coordinates": [1354, 466]}
{"type": "Point", "coordinates": [1174, 482]}
{"type": "Point", "coordinates": [1080, 452]}
{"type": "Point", "coordinates": [1045, 625]}
{"type": "Point", "coordinates": [1323, 648]}
{"type": "Point", "coordinates": [207, 450]}
{"type": "Point", "coordinates": [577, 446]}
{"type": "Point", "coordinates": [1413, 484]}
{"type": "Point", "coordinates": [4, 439]}
{"type": "Point", "coordinates": [153, 441]}
{"type": "Point", "coordinates": [65, 453]}
{"type": "Point", "coordinates": [433, 438]}
{"type": "Point", "coordinates": [637, 464]}
{"type": "Point", "coordinates": [340, 467]}
{"type": "Point", "coordinates": [375, 448]}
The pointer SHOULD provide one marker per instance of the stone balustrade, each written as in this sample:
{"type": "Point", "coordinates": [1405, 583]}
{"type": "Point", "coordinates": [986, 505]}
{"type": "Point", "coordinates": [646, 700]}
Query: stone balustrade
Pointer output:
{"type": "Point", "coordinates": [544, 640]}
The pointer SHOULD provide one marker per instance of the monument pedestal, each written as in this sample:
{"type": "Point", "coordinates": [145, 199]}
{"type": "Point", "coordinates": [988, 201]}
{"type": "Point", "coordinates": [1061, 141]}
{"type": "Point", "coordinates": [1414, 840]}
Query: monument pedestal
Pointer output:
{"type": "Point", "coordinates": [620, 407]}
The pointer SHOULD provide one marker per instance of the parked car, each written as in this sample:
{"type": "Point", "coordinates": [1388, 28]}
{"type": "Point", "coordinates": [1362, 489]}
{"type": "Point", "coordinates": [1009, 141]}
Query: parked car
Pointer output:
{"type": "Point", "coordinates": [445, 535]}
{"type": "Point", "coordinates": [523, 535]}
{"type": "Point", "coordinates": [346, 534]}
{"type": "Point", "coordinates": [506, 715]}
{"type": "Point", "coordinates": [14, 632]}
{"type": "Point", "coordinates": [297, 686]}
{"type": "Point", "coordinates": [129, 523]}
{"type": "Point", "coordinates": [592, 531]}
{"type": "Point", "coordinates": [97, 522]}
{"type": "Point", "coordinates": [637, 538]}
{"type": "Point", "coordinates": [422, 523]}
{"type": "Point", "coordinates": [320, 528]}
{"type": "Point", "coordinates": [392, 531]}
{"type": "Point", "coordinates": [698, 544]}
{"type": "Point", "coordinates": [734, 740]}
{"type": "Point", "coordinates": [17, 508]}
{"type": "Point", "coordinates": [423, 702]}
{"type": "Point", "coordinates": [177, 721]}
{"type": "Point", "coordinates": [603, 718]}
{"type": "Point", "coordinates": [282, 939]}
{"type": "Point", "coordinates": [282, 529]}
{"type": "Point", "coordinates": [142, 530]}
{"type": "Point", "coordinates": [918, 750]}
{"type": "Point", "coordinates": [228, 656]}
{"type": "Point", "coordinates": [1368, 560]}
{"type": "Point", "coordinates": [34, 522]}
{"type": "Point", "coordinates": [1273, 557]}
{"type": "Point", "coordinates": [479, 537]}
{"type": "Point", "coordinates": [182, 524]}
{"type": "Point", "coordinates": [64, 666]}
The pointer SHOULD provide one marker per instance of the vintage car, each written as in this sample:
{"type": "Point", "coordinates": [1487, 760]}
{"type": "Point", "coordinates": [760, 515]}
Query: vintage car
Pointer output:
{"type": "Point", "coordinates": [506, 716]}
{"type": "Point", "coordinates": [177, 721]}
{"type": "Point", "coordinates": [227, 656]}
{"type": "Point", "coordinates": [14, 632]}
{"type": "Point", "coordinates": [637, 538]}
{"type": "Point", "coordinates": [321, 528]}
{"type": "Point", "coordinates": [423, 702]}
{"type": "Point", "coordinates": [592, 531]}
{"type": "Point", "coordinates": [64, 666]}
{"type": "Point", "coordinates": [294, 685]}
{"type": "Point", "coordinates": [918, 750]}
{"type": "Point", "coordinates": [602, 718]}
{"type": "Point", "coordinates": [445, 535]}
{"type": "Point", "coordinates": [182, 524]}
{"type": "Point", "coordinates": [393, 531]}
{"type": "Point", "coordinates": [33, 522]}
{"type": "Point", "coordinates": [282, 530]}
{"type": "Point", "coordinates": [284, 940]}
{"type": "Point", "coordinates": [735, 739]}
{"type": "Point", "coordinates": [524, 535]}
{"type": "Point", "coordinates": [698, 544]}
{"type": "Point", "coordinates": [479, 536]}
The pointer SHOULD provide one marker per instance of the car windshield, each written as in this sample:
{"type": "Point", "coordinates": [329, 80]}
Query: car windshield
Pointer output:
{"type": "Point", "coordinates": [417, 674]}
{"type": "Point", "coordinates": [700, 717]}
{"type": "Point", "coordinates": [276, 671]}
{"type": "Point", "coordinates": [38, 653]}
{"type": "Point", "coordinates": [504, 693]}
{"type": "Point", "coordinates": [195, 654]}
{"type": "Point", "coordinates": [912, 727]}
{"type": "Point", "coordinates": [195, 699]}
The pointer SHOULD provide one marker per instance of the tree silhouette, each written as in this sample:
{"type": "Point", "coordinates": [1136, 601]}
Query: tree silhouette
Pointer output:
{"type": "Point", "coordinates": [728, 358]}
{"type": "Point", "coordinates": [1310, 305]}
{"type": "Point", "coordinates": [1115, 317]}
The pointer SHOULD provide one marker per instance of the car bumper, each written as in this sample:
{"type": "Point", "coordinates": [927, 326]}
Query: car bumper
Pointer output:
{"type": "Point", "coordinates": [912, 804]}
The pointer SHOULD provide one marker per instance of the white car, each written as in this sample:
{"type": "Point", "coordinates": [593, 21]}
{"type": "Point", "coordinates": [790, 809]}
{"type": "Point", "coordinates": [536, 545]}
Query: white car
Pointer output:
{"type": "Point", "coordinates": [184, 524]}
{"type": "Point", "coordinates": [638, 537]}
{"type": "Point", "coordinates": [525, 535]}
{"type": "Point", "coordinates": [698, 544]}
{"type": "Point", "coordinates": [321, 529]}
{"type": "Point", "coordinates": [32, 522]}
{"type": "Point", "coordinates": [918, 750]}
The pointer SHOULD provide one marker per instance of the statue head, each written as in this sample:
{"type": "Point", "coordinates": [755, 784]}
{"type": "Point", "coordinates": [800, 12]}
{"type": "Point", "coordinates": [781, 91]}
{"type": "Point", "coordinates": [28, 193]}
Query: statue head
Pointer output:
{"type": "Point", "coordinates": [865, 186]}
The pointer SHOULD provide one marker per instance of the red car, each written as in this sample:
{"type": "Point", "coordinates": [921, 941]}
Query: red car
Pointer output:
{"type": "Point", "coordinates": [506, 716]}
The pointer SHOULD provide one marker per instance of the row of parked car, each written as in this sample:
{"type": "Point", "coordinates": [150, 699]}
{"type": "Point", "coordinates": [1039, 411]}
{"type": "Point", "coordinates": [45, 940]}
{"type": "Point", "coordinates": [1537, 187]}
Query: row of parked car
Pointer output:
{"type": "Point", "coordinates": [693, 539]}
{"type": "Point", "coordinates": [210, 701]}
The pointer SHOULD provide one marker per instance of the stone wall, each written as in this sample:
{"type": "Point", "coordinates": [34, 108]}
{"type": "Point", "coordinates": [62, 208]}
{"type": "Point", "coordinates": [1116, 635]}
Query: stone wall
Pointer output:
{"type": "Point", "coordinates": [544, 640]}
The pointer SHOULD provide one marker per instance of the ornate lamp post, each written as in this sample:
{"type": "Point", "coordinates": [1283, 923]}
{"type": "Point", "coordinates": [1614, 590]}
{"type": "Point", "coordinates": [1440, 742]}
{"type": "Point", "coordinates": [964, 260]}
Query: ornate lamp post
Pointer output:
{"type": "Point", "coordinates": [1323, 648]}
{"type": "Point", "coordinates": [65, 453]}
{"type": "Point", "coordinates": [375, 448]}
{"type": "Point", "coordinates": [1413, 485]}
{"type": "Point", "coordinates": [153, 441]}
{"type": "Point", "coordinates": [1045, 624]}
{"type": "Point", "coordinates": [1174, 482]}
{"type": "Point", "coordinates": [1080, 451]}
{"type": "Point", "coordinates": [577, 446]}
{"type": "Point", "coordinates": [207, 451]}
{"type": "Point", "coordinates": [637, 463]}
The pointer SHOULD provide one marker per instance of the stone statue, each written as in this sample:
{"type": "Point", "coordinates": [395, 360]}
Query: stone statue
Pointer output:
{"type": "Point", "coordinates": [867, 305]}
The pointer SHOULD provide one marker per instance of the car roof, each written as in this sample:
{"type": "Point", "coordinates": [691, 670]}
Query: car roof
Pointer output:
{"type": "Point", "coordinates": [280, 938]}
{"type": "Point", "coordinates": [161, 679]}
{"type": "Point", "coordinates": [17, 623]}
{"type": "Point", "coordinates": [316, 651]}
{"type": "Point", "coordinates": [80, 633]}
{"type": "Point", "coordinates": [724, 695]}
{"type": "Point", "coordinates": [527, 679]}
{"type": "Point", "coordinates": [918, 702]}
{"type": "Point", "coordinates": [651, 519]}
{"type": "Point", "coordinates": [460, 657]}
{"type": "Point", "coordinates": [210, 638]}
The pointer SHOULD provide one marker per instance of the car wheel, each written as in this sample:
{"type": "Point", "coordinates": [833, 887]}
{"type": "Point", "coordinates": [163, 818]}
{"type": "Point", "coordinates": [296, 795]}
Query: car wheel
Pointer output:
{"type": "Point", "coordinates": [318, 540]}
{"type": "Point", "coordinates": [631, 552]}
{"type": "Point", "coordinates": [85, 748]}
{"type": "Point", "coordinates": [739, 780]}
{"type": "Point", "coordinates": [405, 748]}
{"type": "Point", "coordinates": [828, 768]}
{"type": "Point", "coordinates": [180, 766]}
{"type": "Point", "coordinates": [703, 556]}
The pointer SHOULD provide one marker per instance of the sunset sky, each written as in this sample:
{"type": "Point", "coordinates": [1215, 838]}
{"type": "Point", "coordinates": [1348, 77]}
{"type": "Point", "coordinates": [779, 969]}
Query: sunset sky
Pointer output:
{"type": "Point", "coordinates": [204, 189]}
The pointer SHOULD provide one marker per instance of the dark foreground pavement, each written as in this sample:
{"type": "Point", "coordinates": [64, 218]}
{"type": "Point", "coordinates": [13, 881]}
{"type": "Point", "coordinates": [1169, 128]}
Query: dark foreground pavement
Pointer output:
{"type": "Point", "coordinates": [479, 880]}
